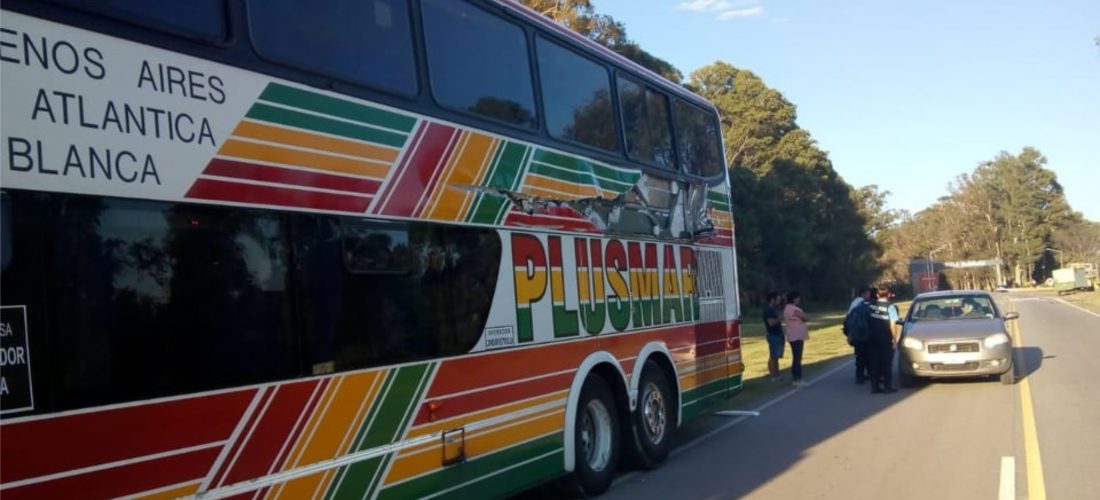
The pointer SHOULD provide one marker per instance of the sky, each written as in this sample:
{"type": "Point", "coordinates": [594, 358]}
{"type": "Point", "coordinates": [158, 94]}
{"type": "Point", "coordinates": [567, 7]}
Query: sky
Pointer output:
{"type": "Point", "coordinates": [908, 95]}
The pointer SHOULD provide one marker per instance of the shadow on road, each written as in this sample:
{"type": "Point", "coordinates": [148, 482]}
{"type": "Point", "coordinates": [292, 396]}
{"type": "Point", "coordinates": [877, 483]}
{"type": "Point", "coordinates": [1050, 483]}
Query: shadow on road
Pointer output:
{"type": "Point", "coordinates": [1029, 360]}
{"type": "Point", "coordinates": [749, 455]}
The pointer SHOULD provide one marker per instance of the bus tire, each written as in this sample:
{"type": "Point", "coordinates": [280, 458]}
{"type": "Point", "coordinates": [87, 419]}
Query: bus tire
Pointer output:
{"type": "Point", "coordinates": [595, 439]}
{"type": "Point", "coordinates": [653, 420]}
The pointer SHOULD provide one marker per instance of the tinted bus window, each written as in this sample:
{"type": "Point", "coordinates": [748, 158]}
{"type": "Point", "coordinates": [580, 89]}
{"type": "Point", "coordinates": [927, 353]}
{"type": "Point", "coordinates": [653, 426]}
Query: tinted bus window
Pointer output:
{"type": "Point", "coordinates": [201, 18]}
{"type": "Point", "coordinates": [382, 293]}
{"type": "Point", "coordinates": [697, 138]}
{"type": "Point", "coordinates": [478, 62]}
{"type": "Point", "coordinates": [366, 42]}
{"type": "Point", "coordinates": [136, 299]}
{"type": "Point", "coordinates": [645, 118]}
{"type": "Point", "coordinates": [576, 95]}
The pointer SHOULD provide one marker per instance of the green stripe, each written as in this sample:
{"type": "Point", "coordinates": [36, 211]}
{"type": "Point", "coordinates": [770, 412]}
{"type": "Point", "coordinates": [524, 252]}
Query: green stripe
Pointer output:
{"type": "Point", "coordinates": [387, 419]}
{"type": "Point", "coordinates": [718, 197]}
{"type": "Point", "coordinates": [581, 165]}
{"type": "Point", "coordinates": [517, 182]}
{"type": "Point", "coordinates": [697, 403]}
{"type": "Point", "coordinates": [504, 175]}
{"type": "Point", "coordinates": [493, 165]}
{"type": "Point", "coordinates": [307, 121]}
{"type": "Point", "coordinates": [337, 107]}
{"type": "Point", "coordinates": [582, 178]}
{"type": "Point", "coordinates": [470, 480]}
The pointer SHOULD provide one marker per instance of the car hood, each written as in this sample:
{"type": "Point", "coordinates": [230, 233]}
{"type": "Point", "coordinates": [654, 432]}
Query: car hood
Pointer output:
{"type": "Point", "coordinates": [954, 329]}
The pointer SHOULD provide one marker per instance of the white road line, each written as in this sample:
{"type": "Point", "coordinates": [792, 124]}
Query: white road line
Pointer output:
{"type": "Point", "coordinates": [695, 442]}
{"type": "Point", "coordinates": [1007, 490]}
{"type": "Point", "coordinates": [1079, 308]}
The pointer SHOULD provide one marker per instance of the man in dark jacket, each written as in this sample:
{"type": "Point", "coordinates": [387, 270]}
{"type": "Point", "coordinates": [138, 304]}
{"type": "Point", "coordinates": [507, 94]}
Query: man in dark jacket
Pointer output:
{"type": "Point", "coordinates": [857, 329]}
{"type": "Point", "coordinates": [884, 337]}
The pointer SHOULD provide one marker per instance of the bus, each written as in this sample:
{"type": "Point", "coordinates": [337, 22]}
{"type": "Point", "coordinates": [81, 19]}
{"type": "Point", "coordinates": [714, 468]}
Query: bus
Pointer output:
{"type": "Point", "coordinates": [370, 249]}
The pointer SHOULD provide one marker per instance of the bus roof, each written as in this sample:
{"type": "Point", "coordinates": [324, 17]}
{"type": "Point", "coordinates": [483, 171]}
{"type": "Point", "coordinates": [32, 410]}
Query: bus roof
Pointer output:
{"type": "Point", "coordinates": [607, 53]}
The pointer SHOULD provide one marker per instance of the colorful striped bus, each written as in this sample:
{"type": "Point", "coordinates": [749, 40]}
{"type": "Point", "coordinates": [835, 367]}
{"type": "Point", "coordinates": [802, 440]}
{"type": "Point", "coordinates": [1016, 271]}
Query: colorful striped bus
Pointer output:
{"type": "Point", "coordinates": [369, 249]}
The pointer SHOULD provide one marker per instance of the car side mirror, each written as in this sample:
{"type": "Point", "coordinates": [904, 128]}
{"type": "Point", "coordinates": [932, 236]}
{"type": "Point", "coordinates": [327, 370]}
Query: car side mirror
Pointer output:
{"type": "Point", "coordinates": [1011, 316]}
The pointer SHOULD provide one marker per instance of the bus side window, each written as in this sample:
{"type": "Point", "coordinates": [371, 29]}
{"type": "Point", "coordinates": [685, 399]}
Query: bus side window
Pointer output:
{"type": "Point", "coordinates": [578, 108]}
{"type": "Point", "coordinates": [5, 232]}
{"type": "Point", "coordinates": [645, 121]}
{"type": "Point", "coordinates": [697, 137]}
{"type": "Point", "coordinates": [204, 19]}
{"type": "Point", "coordinates": [478, 62]}
{"type": "Point", "coordinates": [366, 42]}
{"type": "Point", "coordinates": [381, 293]}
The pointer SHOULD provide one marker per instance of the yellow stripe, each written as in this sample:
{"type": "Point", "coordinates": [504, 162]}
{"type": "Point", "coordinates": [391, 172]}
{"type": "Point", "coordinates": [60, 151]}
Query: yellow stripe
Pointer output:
{"type": "Point", "coordinates": [448, 168]}
{"type": "Point", "coordinates": [464, 420]}
{"type": "Point", "coordinates": [1036, 485]}
{"type": "Point", "coordinates": [482, 172]}
{"type": "Point", "coordinates": [467, 165]}
{"type": "Point", "coordinates": [538, 181]}
{"type": "Point", "coordinates": [317, 161]}
{"type": "Point", "coordinates": [333, 426]}
{"type": "Point", "coordinates": [182, 491]}
{"type": "Point", "coordinates": [307, 140]}
{"type": "Point", "coordinates": [484, 442]}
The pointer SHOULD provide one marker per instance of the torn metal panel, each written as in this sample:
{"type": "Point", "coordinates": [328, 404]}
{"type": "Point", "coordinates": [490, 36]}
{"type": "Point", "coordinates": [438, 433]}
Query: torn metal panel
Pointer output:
{"type": "Point", "coordinates": [653, 206]}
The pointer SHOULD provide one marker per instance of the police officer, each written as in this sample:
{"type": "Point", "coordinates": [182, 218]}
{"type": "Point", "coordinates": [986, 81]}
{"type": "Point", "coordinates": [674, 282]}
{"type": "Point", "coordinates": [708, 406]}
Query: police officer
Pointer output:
{"type": "Point", "coordinates": [880, 348]}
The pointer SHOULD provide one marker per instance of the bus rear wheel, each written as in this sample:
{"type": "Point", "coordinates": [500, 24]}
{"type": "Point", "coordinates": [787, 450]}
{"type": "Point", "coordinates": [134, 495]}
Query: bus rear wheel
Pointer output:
{"type": "Point", "coordinates": [653, 420]}
{"type": "Point", "coordinates": [595, 439]}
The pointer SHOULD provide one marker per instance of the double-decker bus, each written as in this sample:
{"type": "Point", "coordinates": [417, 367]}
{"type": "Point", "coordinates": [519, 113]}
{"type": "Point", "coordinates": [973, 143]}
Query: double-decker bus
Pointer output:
{"type": "Point", "coordinates": [371, 248]}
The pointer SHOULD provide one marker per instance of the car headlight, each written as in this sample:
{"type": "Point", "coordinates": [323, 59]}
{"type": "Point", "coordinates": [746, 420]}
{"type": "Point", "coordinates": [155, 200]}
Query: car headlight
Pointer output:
{"type": "Point", "coordinates": [996, 339]}
{"type": "Point", "coordinates": [912, 343]}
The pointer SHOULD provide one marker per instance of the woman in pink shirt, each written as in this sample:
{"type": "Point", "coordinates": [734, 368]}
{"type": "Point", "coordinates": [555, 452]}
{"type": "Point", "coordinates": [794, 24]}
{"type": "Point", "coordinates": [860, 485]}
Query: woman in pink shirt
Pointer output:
{"type": "Point", "coordinates": [797, 333]}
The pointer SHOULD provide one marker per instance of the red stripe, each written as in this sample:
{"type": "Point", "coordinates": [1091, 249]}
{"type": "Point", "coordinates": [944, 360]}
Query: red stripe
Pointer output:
{"type": "Point", "coordinates": [529, 220]}
{"type": "Point", "coordinates": [236, 445]}
{"type": "Point", "coordinates": [207, 189]}
{"type": "Point", "coordinates": [417, 173]}
{"type": "Point", "coordinates": [275, 425]}
{"type": "Point", "coordinates": [280, 460]}
{"type": "Point", "coordinates": [399, 169]}
{"type": "Point", "coordinates": [70, 442]}
{"type": "Point", "coordinates": [119, 481]}
{"type": "Point", "coordinates": [279, 175]}
{"type": "Point", "coordinates": [477, 401]}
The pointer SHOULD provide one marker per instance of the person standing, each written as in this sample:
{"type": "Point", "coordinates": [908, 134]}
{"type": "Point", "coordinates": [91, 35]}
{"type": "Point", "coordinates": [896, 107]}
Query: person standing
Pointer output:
{"type": "Point", "coordinates": [797, 332]}
{"type": "Point", "coordinates": [857, 329]}
{"type": "Point", "coordinates": [880, 349]}
{"type": "Point", "coordinates": [773, 327]}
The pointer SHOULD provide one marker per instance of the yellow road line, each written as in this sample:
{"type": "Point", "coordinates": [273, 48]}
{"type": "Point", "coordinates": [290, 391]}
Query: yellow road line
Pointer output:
{"type": "Point", "coordinates": [1036, 486]}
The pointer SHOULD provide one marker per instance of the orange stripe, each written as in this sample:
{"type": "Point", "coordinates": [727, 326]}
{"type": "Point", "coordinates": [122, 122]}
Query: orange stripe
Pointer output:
{"type": "Point", "coordinates": [479, 179]}
{"type": "Point", "coordinates": [314, 141]}
{"type": "Point", "coordinates": [464, 420]}
{"type": "Point", "coordinates": [332, 428]}
{"type": "Point", "coordinates": [476, 445]}
{"type": "Point", "coordinates": [182, 491]}
{"type": "Point", "coordinates": [565, 187]}
{"type": "Point", "coordinates": [467, 167]}
{"type": "Point", "coordinates": [452, 163]}
{"type": "Point", "coordinates": [275, 154]}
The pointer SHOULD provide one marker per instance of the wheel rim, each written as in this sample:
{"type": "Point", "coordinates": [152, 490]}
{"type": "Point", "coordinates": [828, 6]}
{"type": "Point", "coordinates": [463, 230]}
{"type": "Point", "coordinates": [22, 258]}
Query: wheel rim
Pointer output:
{"type": "Point", "coordinates": [653, 413]}
{"type": "Point", "coordinates": [596, 435]}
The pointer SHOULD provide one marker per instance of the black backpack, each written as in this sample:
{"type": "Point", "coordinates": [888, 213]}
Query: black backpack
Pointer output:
{"type": "Point", "coordinates": [857, 324]}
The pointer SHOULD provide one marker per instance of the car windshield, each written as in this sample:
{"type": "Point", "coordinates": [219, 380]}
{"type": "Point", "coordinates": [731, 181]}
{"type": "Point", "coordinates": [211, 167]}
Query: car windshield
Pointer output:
{"type": "Point", "coordinates": [957, 307]}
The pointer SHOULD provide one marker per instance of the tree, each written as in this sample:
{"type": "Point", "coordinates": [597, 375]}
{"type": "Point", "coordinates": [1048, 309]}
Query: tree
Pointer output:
{"type": "Point", "coordinates": [1009, 207]}
{"type": "Point", "coordinates": [581, 16]}
{"type": "Point", "coordinates": [1079, 239]}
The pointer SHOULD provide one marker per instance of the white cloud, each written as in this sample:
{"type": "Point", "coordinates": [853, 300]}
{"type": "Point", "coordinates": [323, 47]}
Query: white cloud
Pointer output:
{"type": "Point", "coordinates": [735, 13]}
{"type": "Point", "coordinates": [704, 5]}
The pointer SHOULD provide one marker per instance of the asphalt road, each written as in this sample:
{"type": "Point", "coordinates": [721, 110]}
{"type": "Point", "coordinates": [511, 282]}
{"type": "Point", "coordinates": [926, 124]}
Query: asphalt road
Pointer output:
{"type": "Point", "coordinates": [945, 440]}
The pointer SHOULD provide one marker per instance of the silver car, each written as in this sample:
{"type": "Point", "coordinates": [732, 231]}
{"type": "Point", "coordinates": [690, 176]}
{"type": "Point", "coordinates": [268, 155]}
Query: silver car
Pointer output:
{"type": "Point", "coordinates": [955, 334]}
